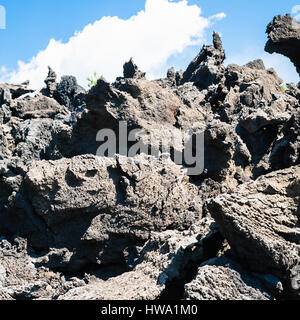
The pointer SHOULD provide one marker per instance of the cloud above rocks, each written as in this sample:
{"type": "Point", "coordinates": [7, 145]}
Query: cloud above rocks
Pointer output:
{"type": "Point", "coordinates": [163, 29]}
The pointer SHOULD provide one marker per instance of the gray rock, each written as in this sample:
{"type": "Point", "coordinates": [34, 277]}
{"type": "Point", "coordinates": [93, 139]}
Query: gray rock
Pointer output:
{"type": "Point", "coordinates": [50, 82]}
{"type": "Point", "coordinates": [166, 257]}
{"type": "Point", "coordinates": [224, 279]}
{"type": "Point", "coordinates": [260, 222]}
{"type": "Point", "coordinates": [21, 279]}
{"type": "Point", "coordinates": [5, 96]}
{"type": "Point", "coordinates": [69, 93]}
{"type": "Point", "coordinates": [38, 139]}
{"type": "Point", "coordinates": [140, 227]}
{"type": "Point", "coordinates": [227, 158]}
{"type": "Point", "coordinates": [101, 206]}
{"type": "Point", "coordinates": [142, 104]}
{"type": "Point", "coordinates": [207, 68]}
{"type": "Point", "coordinates": [256, 64]}
{"type": "Point", "coordinates": [13, 91]}
{"type": "Point", "coordinates": [5, 114]}
{"type": "Point", "coordinates": [37, 107]}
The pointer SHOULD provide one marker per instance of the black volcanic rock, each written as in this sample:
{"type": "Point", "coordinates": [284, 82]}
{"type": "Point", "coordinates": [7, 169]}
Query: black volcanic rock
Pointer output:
{"type": "Point", "coordinates": [69, 93]}
{"type": "Point", "coordinates": [132, 71]}
{"type": "Point", "coordinates": [284, 38]}
{"type": "Point", "coordinates": [50, 82]}
{"type": "Point", "coordinates": [207, 68]}
{"type": "Point", "coordinates": [256, 64]}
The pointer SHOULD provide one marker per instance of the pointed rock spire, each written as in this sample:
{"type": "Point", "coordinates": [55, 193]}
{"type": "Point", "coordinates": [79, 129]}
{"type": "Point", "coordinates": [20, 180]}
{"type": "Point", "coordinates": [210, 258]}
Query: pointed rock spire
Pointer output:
{"type": "Point", "coordinates": [217, 41]}
{"type": "Point", "coordinates": [50, 82]}
{"type": "Point", "coordinates": [207, 68]}
{"type": "Point", "coordinates": [132, 71]}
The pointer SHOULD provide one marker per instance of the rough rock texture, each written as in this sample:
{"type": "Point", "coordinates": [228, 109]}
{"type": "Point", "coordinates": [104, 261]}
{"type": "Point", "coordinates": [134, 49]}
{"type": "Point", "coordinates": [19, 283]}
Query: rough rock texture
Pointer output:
{"type": "Point", "coordinates": [207, 68]}
{"type": "Point", "coordinates": [11, 91]}
{"type": "Point", "coordinates": [50, 82]}
{"type": "Point", "coordinates": [260, 220]}
{"type": "Point", "coordinates": [131, 70]}
{"type": "Point", "coordinates": [69, 93]}
{"type": "Point", "coordinates": [106, 205]}
{"type": "Point", "coordinates": [36, 107]}
{"type": "Point", "coordinates": [223, 279]}
{"type": "Point", "coordinates": [96, 227]}
{"type": "Point", "coordinates": [284, 38]}
{"type": "Point", "coordinates": [166, 257]}
{"type": "Point", "coordinates": [20, 279]}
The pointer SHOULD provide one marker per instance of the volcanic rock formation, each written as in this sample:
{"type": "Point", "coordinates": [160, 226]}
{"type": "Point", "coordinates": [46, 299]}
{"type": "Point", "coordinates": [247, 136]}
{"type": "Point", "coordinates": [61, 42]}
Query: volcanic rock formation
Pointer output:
{"type": "Point", "coordinates": [77, 225]}
{"type": "Point", "coordinates": [284, 38]}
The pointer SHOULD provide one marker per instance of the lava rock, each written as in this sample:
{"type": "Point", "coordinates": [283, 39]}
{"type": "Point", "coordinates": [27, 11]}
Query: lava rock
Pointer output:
{"type": "Point", "coordinates": [132, 71]}
{"type": "Point", "coordinates": [207, 68]}
{"type": "Point", "coordinates": [260, 220]}
{"type": "Point", "coordinates": [284, 38]}
{"type": "Point", "coordinates": [223, 279]}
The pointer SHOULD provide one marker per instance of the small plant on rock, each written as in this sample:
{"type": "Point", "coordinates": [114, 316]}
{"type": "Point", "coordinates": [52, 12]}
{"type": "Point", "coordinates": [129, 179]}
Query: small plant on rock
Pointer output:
{"type": "Point", "coordinates": [93, 80]}
{"type": "Point", "coordinates": [284, 87]}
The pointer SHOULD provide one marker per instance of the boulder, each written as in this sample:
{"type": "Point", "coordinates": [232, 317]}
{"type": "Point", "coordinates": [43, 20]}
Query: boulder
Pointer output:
{"type": "Point", "coordinates": [260, 220]}
{"type": "Point", "coordinates": [101, 205]}
{"type": "Point", "coordinates": [21, 279]}
{"type": "Point", "coordinates": [39, 106]}
{"type": "Point", "coordinates": [223, 279]}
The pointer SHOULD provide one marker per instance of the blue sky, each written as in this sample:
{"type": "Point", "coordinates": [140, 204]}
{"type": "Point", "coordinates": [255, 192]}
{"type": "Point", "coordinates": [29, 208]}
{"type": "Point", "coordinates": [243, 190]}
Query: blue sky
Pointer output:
{"type": "Point", "coordinates": [30, 24]}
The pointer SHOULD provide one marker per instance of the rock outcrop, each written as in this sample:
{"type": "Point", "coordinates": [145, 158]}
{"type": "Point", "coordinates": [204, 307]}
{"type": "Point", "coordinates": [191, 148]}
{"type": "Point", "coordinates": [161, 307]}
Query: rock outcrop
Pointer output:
{"type": "Point", "coordinates": [79, 223]}
{"type": "Point", "coordinates": [260, 220]}
{"type": "Point", "coordinates": [107, 205]}
{"type": "Point", "coordinates": [284, 38]}
{"type": "Point", "coordinates": [207, 68]}
{"type": "Point", "coordinates": [131, 70]}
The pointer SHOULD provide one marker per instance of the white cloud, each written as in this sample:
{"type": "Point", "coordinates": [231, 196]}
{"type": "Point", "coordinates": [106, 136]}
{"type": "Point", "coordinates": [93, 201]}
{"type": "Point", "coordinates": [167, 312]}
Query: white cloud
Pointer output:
{"type": "Point", "coordinates": [282, 65]}
{"type": "Point", "coordinates": [151, 37]}
{"type": "Point", "coordinates": [296, 12]}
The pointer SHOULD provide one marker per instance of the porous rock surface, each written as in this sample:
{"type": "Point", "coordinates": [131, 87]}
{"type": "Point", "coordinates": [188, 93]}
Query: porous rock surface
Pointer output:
{"type": "Point", "coordinates": [284, 38]}
{"type": "Point", "coordinates": [77, 225]}
{"type": "Point", "coordinates": [260, 220]}
{"type": "Point", "coordinates": [223, 279]}
{"type": "Point", "coordinates": [166, 256]}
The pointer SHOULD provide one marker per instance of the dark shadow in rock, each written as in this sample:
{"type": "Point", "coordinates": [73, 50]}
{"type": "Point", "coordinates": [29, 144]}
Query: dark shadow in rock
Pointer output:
{"type": "Point", "coordinates": [72, 180]}
{"type": "Point", "coordinates": [260, 142]}
{"type": "Point", "coordinates": [114, 174]}
{"type": "Point", "coordinates": [72, 255]}
{"type": "Point", "coordinates": [174, 289]}
{"type": "Point", "coordinates": [20, 220]}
